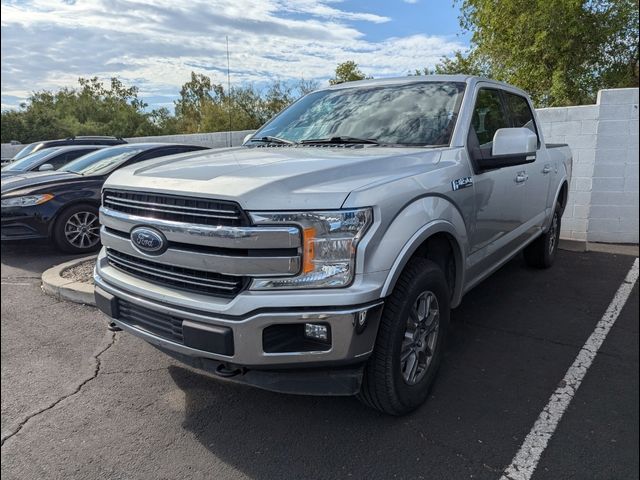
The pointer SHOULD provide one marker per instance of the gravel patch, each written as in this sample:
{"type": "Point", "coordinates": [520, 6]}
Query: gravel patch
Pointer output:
{"type": "Point", "coordinates": [82, 272]}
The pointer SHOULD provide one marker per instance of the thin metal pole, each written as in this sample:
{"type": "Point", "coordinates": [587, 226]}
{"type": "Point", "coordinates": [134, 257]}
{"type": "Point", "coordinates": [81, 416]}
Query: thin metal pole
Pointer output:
{"type": "Point", "coordinates": [229, 90]}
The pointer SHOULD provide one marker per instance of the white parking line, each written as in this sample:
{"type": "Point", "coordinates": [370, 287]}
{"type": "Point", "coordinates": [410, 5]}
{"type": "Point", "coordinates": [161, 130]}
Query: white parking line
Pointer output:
{"type": "Point", "coordinates": [14, 283]}
{"type": "Point", "coordinates": [527, 458]}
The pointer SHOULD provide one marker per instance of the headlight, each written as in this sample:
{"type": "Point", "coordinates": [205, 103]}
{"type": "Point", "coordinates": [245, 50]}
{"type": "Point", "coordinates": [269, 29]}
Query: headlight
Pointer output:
{"type": "Point", "coordinates": [26, 200]}
{"type": "Point", "coordinates": [329, 241]}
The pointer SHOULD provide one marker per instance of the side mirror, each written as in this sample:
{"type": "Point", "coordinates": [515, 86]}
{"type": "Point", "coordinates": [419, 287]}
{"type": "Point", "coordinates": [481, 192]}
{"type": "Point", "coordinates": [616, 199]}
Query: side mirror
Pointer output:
{"type": "Point", "coordinates": [247, 138]}
{"type": "Point", "coordinates": [516, 142]}
{"type": "Point", "coordinates": [46, 167]}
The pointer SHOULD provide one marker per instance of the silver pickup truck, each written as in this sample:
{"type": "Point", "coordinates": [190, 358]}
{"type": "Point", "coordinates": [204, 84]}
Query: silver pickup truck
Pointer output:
{"type": "Point", "coordinates": [325, 254]}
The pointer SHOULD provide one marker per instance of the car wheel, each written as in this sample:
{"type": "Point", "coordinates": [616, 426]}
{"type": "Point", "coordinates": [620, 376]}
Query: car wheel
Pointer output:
{"type": "Point", "coordinates": [410, 341]}
{"type": "Point", "coordinates": [541, 253]}
{"type": "Point", "coordinates": [77, 229]}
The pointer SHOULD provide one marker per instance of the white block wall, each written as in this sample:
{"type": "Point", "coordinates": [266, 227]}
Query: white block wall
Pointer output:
{"type": "Point", "coordinates": [603, 195]}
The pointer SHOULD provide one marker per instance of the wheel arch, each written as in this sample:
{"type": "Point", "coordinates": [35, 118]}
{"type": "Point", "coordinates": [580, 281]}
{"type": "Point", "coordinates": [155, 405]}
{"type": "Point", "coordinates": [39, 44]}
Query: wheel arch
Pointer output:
{"type": "Point", "coordinates": [429, 242]}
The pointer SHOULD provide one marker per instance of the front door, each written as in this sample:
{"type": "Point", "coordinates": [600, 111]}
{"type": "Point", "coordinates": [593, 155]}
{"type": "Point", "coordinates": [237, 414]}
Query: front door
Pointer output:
{"type": "Point", "coordinates": [499, 192]}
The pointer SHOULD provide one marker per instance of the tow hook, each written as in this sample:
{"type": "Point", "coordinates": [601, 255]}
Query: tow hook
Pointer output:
{"type": "Point", "coordinates": [111, 326]}
{"type": "Point", "coordinates": [223, 371]}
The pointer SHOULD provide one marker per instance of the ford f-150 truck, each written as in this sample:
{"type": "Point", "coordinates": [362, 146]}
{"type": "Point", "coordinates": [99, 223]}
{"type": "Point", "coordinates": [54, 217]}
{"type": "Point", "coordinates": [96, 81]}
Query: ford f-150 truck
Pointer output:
{"type": "Point", "coordinates": [325, 254]}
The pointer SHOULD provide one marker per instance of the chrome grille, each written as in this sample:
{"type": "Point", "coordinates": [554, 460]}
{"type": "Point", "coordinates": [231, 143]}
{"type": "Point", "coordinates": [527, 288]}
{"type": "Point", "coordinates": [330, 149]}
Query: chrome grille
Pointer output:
{"type": "Point", "coordinates": [184, 278]}
{"type": "Point", "coordinates": [175, 208]}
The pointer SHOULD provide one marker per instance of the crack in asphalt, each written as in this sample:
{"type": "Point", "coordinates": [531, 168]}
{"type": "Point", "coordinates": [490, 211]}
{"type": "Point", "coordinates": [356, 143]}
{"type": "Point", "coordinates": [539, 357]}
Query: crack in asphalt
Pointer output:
{"type": "Point", "coordinates": [96, 372]}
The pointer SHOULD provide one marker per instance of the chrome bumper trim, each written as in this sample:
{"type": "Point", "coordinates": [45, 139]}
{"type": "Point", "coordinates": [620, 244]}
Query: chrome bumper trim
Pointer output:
{"type": "Point", "coordinates": [223, 264]}
{"type": "Point", "coordinates": [207, 235]}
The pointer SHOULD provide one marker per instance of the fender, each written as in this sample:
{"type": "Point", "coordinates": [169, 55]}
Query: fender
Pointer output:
{"type": "Point", "coordinates": [563, 180]}
{"type": "Point", "coordinates": [418, 221]}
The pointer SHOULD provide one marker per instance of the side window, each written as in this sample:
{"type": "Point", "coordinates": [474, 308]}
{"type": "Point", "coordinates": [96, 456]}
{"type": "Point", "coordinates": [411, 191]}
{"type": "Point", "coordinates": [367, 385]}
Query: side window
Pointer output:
{"type": "Point", "coordinates": [488, 117]}
{"type": "Point", "coordinates": [59, 160]}
{"type": "Point", "coordinates": [521, 115]}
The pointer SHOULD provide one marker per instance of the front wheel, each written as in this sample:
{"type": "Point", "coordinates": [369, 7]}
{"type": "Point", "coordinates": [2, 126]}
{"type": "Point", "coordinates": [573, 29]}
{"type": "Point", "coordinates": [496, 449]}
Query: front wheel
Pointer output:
{"type": "Point", "coordinates": [77, 229]}
{"type": "Point", "coordinates": [541, 253]}
{"type": "Point", "coordinates": [410, 341]}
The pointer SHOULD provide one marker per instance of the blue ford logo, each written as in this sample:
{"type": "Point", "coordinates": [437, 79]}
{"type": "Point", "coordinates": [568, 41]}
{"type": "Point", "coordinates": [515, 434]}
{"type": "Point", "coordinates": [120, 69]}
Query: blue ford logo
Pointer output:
{"type": "Point", "coordinates": [148, 240]}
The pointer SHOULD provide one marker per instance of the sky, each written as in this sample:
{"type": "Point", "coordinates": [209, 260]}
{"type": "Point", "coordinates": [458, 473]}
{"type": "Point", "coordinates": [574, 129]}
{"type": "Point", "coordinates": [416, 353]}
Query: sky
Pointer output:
{"type": "Point", "coordinates": [155, 44]}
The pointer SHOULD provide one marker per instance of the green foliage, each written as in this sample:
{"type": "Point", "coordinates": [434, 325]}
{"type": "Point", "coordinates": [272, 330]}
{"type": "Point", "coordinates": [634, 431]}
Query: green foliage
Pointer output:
{"type": "Point", "coordinates": [205, 106]}
{"type": "Point", "coordinates": [91, 109]}
{"type": "Point", "coordinates": [96, 109]}
{"type": "Point", "coordinates": [470, 64]}
{"type": "Point", "coordinates": [347, 72]}
{"type": "Point", "coordinates": [560, 51]}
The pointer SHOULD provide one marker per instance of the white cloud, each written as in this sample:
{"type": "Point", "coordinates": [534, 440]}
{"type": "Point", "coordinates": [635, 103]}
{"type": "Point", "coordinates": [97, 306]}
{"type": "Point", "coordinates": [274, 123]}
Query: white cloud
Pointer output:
{"type": "Point", "coordinates": [413, 2]}
{"type": "Point", "coordinates": [155, 44]}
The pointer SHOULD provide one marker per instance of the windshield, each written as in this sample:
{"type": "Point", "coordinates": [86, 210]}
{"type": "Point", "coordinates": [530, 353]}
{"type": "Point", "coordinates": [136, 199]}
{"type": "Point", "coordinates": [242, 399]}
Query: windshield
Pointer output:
{"type": "Point", "coordinates": [103, 161]}
{"type": "Point", "coordinates": [30, 161]}
{"type": "Point", "coordinates": [25, 151]}
{"type": "Point", "coordinates": [415, 114]}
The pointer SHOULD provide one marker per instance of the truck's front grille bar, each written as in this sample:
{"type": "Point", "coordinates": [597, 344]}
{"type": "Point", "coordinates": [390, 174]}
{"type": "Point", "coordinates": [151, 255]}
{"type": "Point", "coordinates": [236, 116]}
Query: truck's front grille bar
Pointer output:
{"type": "Point", "coordinates": [175, 208]}
{"type": "Point", "coordinates": [184, 278]}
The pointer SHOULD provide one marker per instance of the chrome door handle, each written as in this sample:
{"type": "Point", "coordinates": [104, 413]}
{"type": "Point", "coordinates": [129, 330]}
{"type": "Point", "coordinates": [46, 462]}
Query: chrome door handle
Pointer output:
{"type": "Point", "coordinates": [546, 169]}
{"type": "Point", "coordinates": [522, 177]}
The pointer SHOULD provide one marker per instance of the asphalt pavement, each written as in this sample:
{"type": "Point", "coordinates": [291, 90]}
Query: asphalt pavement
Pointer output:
{"type": "Point", "coordinates": [81, 402]}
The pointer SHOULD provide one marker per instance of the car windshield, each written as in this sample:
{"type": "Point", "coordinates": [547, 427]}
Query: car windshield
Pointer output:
{"type": "Point", "coordinates": [415, 114]}
{"type": "Point", "coordinates": [30, 161]}
{"type": "Point", "coordinates": [103, 161]}
{"type": "Point", "coordinates": [25, 151]}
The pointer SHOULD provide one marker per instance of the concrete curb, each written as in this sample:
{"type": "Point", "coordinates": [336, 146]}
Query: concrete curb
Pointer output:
{"type": "Point", "coordinates": [614, 248]}
{"type": "Point", "coordinates": [65, 289]}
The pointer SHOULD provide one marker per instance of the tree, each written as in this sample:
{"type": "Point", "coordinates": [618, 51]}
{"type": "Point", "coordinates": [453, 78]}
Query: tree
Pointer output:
{"type": "Point", "coordinates": [465, 64]}
{"type": "Point", "coordinates": [90, 109]}
{"type": "Point", "coordinates": [347, 72]}
{"type": "Point", "coordinates": [561, 52]}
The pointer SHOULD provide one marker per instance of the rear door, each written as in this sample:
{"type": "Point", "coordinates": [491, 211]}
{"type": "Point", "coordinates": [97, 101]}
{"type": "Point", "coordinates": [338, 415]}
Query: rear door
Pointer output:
{"type": "Point", "coordinates": [537, 173]}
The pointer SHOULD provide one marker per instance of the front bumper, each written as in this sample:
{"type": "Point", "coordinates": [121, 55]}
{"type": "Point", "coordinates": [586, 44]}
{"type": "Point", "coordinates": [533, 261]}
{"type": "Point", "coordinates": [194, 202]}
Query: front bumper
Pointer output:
{"type": "Point", "coordinates": [22, 223]}
{"type": "Point", "coordinates": [233, 332]}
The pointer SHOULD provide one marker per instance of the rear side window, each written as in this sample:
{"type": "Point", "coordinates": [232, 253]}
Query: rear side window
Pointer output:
{"type": "Point", "coordinates": [521, 115]}
{"type": "Point", "coordinates": [488, 116]}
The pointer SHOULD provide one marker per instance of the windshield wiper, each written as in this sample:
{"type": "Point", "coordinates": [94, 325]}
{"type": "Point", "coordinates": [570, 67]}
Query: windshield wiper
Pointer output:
{"type": "Point", "coordinates": [269, 139]}
{"type": "Point", "coordinates": [342, 139]}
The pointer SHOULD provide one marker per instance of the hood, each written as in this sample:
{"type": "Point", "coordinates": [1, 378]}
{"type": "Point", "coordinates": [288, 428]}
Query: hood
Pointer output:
{"type": "Point", "coordinates": [276, 178]}
{"type": "Point", "coordinates": [31, 180]}
{"type": "Point", "coordinates": [11, 173]}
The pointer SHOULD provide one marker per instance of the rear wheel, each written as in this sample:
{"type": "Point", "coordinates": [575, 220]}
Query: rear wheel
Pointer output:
{"type": "Point", "coordinates": [410, 341]}
{"type": "Point", "coordinates": [77, 229]}
{"type": "Point", "coordinates": [541, 253]}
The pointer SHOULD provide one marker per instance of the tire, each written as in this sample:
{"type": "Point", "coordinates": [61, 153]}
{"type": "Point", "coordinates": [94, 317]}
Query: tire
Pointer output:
{"type": "Point", "coordinates": [541, 253]}
{"type": "Point", "coordinates": [77, 229]}
{"type": "Point", "coordinates": [387, 384]}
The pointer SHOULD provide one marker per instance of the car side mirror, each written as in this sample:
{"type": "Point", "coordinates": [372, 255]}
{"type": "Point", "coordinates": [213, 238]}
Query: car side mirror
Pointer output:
{"type": "Point", "coordinates": [46, 167]}
{"type": "Point", "coordinates": [514, 142]}
{"type": "Point", "coordinates": [510, 147]}
{"type": "Point", "coordinates": [247, 138]}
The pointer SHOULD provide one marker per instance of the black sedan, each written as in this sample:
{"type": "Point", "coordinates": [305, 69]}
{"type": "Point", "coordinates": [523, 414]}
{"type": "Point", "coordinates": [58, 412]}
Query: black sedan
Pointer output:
{"type": "Point", "coordinates": [63, 204]}
{"type": "Point", "coordinates": [47, 159]}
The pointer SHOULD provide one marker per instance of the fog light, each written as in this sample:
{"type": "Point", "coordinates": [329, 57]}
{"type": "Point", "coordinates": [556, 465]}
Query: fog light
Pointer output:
{"type": "Point", "coordinates": [317, 332]}
{"type": "Point", "coordinates": [361, 321]}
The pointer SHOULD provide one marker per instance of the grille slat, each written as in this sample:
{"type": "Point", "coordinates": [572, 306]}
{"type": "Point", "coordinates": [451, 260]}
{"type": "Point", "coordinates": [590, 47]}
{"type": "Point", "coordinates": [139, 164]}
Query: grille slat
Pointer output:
{"type": "Point", "coordinates": [179, 277]}
{"type": "Point", "coordinates": [176, 208]}
{"type": "Point", "coordinates": [160, 324]}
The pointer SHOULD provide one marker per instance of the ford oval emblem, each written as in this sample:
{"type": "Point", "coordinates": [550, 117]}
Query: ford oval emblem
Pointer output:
{"type": "Point", "coordinates": [148, 240]}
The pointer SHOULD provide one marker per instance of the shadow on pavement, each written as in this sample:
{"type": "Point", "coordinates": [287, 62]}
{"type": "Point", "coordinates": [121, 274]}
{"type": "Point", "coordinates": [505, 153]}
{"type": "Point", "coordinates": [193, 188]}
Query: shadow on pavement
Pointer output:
{"type": "Point", "coordinates": [511, 342]}
{"type": "Point", "coordinates": [31, 257]}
